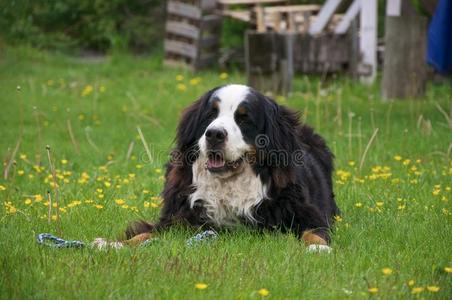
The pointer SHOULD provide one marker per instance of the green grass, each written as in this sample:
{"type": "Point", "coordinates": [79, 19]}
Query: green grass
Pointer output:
{"type": "Point", "coordinates": [393, 215]}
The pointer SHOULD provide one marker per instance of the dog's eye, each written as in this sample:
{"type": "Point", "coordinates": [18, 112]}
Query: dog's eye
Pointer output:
{"type": "Point", "coordinates": [242, 118]}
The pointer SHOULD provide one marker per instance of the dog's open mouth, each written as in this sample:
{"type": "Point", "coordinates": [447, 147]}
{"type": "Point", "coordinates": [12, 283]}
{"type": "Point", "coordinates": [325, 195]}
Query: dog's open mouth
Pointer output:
{"type": "Point", "coordinates": [217, 164]}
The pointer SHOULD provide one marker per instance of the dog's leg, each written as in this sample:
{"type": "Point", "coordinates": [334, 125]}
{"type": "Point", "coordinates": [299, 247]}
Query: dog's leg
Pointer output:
{"type": "Point", "coordinates": [314, 242]}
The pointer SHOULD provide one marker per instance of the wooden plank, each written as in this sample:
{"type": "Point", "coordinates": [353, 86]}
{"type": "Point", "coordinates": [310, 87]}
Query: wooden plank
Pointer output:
{"type": "Point", "coordinates": [237, 14]}
{"type": "Point", "coordinates": [368, 38]}
{"type": "Point", "coordinates": [292, 8]}
{"type": "Point", "coordinates": [208, 5]}
{"type": "Point", "coordinates": [260, 19]}
{"type": "Point", "coordinates": [324, 16]}
{"type": "Point", "coordinates": [393, 8]}
{"type": "Point", "coordinates": [184, 10]}
{"type": "Point", "coordinates": [183, 29]}
{"type": "Point", "coordinates": [210, 21]}
{"type": "Point", "coordinates": [349, 16]}
{"type": "Point", "coordinates": [232, 2]}
{"type": "Point", "coordinates": [181, 48]}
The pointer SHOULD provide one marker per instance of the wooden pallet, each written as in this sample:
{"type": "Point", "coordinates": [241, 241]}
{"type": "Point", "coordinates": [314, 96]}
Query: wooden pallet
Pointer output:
{"type": "Point", "coordinates": [192, 33]}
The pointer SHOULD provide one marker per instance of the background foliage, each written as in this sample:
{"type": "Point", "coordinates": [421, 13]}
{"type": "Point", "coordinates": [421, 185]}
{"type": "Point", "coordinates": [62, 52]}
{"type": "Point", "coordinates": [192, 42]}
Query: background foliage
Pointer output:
{"type": "Point", "coordinates": [102, 25]}
{"type": "Point", "coordinates": [98, 25]}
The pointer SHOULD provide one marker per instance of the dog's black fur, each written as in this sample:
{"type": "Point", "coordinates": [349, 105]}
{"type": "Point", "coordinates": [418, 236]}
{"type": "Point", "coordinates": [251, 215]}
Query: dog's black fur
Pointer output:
{"type": "Point", "coordinates": [300, 192]}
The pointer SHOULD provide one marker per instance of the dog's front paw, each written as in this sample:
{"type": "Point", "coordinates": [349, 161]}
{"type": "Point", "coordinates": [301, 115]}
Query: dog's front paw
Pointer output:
{"type": "Point", "coordinates": [319, 249]}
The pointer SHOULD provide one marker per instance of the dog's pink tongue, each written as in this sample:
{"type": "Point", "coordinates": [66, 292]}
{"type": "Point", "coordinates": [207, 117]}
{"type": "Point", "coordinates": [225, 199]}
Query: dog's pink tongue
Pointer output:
{"type": "Point", "coordinates": [215, 163]}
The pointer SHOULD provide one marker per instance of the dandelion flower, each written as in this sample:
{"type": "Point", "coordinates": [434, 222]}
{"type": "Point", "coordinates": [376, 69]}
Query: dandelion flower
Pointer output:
{"type": "Point", "coordinates": [87, 90]}
{"type": "Point", "coordinates": [417, 290]}
{"type": "Point", "coordinates": [181, 87]}
{"type": "Point", "coordinates": [120, 201]}
{"type": "Point", "coordinates": [433, 288]}
{"type": "Point", "coordinates": [201, 286]}
{"type": "Point", "coordinates": [387, 271]}
{"type": "Point", "coordinates": [373, 290]}
{"type": "Point", "coordinates": [411, 282]}
{"type": "Point", "coordinates": [38, 198]}
{"type": "Point", "coordinates": [179, 77]}
{"type": "Point", "coordinates": [351, 163]}
{"type": "Point", "coordinates": [224, 76]}
{"type": "Point", "coordinates": [263, 292]}
{"type": "Point", "coordinates": [338, 218]}
{"type": "Point", "coordinates": [20, 172]}
{"type": "Point", "coordinates": [2, 188]}
{"type": "Point", "coordinates": [398, 157]}
{"type": "Point", "coordinates": [358, 204]}
{"type": "Point", "coordinates": [448, 269]}
{"type": "Point", "coordinates": [28, 201]}
{"type": "Point", "coordinates": [98, 206]}
{"type": "Point", "coordinates": [64, 161]}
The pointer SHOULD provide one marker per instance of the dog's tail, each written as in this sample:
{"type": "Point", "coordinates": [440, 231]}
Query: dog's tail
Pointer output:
{"type": "Point", "coordinates": [139, 227]}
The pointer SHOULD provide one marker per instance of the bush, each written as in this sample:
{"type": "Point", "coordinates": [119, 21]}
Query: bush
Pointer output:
{"type": "Point", "coordinates": [96, 25]}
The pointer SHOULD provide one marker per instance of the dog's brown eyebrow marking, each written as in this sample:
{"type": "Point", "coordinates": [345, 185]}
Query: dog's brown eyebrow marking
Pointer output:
{"type": "Point", "coordinates": [241, 110]}
{"type": "Point", "coordinates": [216, 103]}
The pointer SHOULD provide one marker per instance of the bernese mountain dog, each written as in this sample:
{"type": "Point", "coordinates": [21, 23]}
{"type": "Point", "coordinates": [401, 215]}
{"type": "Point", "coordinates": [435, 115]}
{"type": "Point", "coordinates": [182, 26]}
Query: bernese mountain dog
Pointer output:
{"type": "Point", "coordinates": [241, 158]}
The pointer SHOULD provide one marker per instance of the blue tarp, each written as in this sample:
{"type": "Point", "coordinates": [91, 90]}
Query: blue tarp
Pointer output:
{"type": "Point", "coordinates": [439, 51]}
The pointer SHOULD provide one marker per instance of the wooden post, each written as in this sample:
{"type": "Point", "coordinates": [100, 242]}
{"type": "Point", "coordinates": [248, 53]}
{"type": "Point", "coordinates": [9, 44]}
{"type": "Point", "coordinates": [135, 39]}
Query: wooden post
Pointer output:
{"type": "Point", "coordinates": [404, 68]}
{"type": "Point", "coordinates": [368, 41]}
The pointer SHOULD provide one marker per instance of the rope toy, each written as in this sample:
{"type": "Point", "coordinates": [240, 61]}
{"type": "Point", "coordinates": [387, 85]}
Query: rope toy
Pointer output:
{"type": "Point", "coordinates": [56, 242]}
{"type": "Point", "coordinates": [53, 241]}
{"type": "Point", "coordinates": [204, 236]}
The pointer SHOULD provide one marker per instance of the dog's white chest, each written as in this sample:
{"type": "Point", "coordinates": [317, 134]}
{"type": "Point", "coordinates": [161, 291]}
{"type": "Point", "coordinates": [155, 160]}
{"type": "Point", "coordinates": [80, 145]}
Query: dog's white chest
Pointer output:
{"type": "Point", "coordinates": [226, 200]}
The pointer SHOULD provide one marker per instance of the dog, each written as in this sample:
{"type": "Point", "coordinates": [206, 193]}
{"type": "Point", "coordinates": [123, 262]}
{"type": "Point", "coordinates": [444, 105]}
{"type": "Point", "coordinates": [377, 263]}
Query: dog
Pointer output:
{"type": "Point", "coordinates": [241, 158]}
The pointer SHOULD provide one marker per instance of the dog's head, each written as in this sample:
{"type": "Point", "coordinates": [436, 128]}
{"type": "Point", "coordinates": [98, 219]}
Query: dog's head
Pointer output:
{"type": "Point", "coordinates": [234, 124]}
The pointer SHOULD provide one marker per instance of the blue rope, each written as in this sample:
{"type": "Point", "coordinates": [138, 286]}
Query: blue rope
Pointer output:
{"type": "Point", "coordinates": [56, 242]}
{"type": "Point", "coordinates": [204, 236]}
{"type": "Point", "coordinates": [50, 240]}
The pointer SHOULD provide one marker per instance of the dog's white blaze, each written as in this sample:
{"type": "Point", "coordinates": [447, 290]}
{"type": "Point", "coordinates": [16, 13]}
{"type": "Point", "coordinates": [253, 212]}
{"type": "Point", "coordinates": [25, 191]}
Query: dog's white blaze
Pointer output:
{"type": "Point", "coordinates": [227, 199]}
{"type": "Point", "coordinates": [230, 97]}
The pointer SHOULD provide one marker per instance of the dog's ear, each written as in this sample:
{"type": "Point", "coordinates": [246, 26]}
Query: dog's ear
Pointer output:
{"type": "Point", "coordinates": [282, 143]}
{"type": "Point", "coordinates": [189, 129]}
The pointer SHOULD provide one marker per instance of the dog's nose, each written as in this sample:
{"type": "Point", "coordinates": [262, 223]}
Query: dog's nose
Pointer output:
{"type": "Point", "coordinates": [216, 136]}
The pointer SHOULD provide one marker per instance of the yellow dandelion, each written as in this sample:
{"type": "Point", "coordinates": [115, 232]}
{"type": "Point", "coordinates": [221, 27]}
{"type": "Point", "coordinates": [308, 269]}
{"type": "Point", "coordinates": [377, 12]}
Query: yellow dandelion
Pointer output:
{"type": "Point", "coordinates": [98, 206]}
{"type": "Point", "coordinates": [201, 286]}
{"type": "Point", "coordinates": [145, 192]}
{"type": "Point", "coordinates": [20, 172]}
{"type": "Point", "coordinates": [224, 76]}
{"type": "Point", "coordinates": [146, 204]}
{"type": "Point", "coordinates": [179, 77]}
{"type": "Point", "coordinates": [398, 157]}
{"type": "Point", "coordinates": [27, 201]}
{"type": "Point", "coordinates": [158, 170]}
{"type": "Point", "coordinates": [263, 292]}
{"type": "Point", "coordinates": [406, 162]}
{"type": "Point", "coordinates": [2, 188]}
{"type": "Point", "coordinates": [64, 161]}
{"type": "Point", "coordinates": [181, 87]}
{"type": "Point", "coordinates": [23, 156]}
{"type": "Point", "coordinates": [107, 184]}
{"type": "Point", "coordinates": [120, 201]}
{"type": "Point", "coordinates": [154, 205]}
{"type": "Point", "coordinates": [417, 290]}
{"type": "Point", "coordinates": [81, 117]}
{"type": "Point", "coordinates": [358, 204]}
{"type": "Point", "coordinates": [102, 89]}
{"type": "Point", "coordinates": [125, 206]}
{"type": "Point", "coordinates": [131, 175]}
{"type": "Point", "coordinates": [87, 90]}
{"type": "Point", "coordinates": [38, 198]}
{"type": "Point", "coordinates": [351, 163]}
{"type": "Point", "coordinates": [338, 218]}
{"type": "Point", "coordinates": [379, 203]}
{"type": "Point", "coordinates": [387, 271]}
{"type": "Point", "coordinates": [139, 166]}
{"type": "Point", "coordinates": [373, 290]}
{"type": "Point", "coordinates": [411, 282]}
{"type": "Point", "coordinates": [433, 288]}
{"type": "Point", "coordinates": [448, 269]}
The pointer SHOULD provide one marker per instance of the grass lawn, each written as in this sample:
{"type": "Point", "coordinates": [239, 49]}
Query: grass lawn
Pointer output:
{"type": "Point", "coordinates": [393, 240]}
